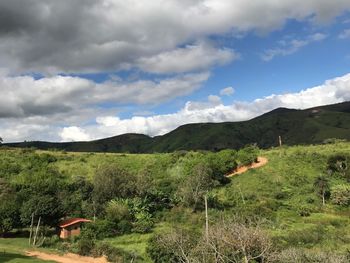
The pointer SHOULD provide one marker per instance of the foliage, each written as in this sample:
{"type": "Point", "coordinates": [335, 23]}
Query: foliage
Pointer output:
{"type": "Point", "coordinates": [159, 198]}
{"type": "Point", "coordinates": [195, 186]}
{"type": "Point", "coordinates": [247, 155]}
{"type": "Point", "coordinates": [111, 182]}
{"type": "Point", "coordinates": [340, 194]}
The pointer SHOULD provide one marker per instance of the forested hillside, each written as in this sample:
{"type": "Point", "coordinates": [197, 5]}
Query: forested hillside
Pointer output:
{"type": "Point", "coordinates": [311, 126]}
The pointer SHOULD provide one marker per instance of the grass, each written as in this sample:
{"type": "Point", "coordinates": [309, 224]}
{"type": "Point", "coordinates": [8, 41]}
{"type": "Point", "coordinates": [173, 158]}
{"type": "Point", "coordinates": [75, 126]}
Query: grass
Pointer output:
{"type": "Point", "coordinates": [12, 251]}
{"type": "Point", "coordinates": [284, 187]}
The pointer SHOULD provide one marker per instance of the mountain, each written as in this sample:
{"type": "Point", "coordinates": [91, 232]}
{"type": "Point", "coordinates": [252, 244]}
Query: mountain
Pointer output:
{"type": "Point", "coordinates": [310, 126]}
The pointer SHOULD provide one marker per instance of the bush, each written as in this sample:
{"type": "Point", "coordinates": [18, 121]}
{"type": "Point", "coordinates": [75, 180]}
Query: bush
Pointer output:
{"type": "Point", "coordinates": [113, 254]}
{"type": "Point", "coordinates": [247, 155]}
{"type": "Point", "coordinates": [85, 245]}
{"type": "Point", "coordinates": [340, 195]}
{"type": "Point", "coordinates": [293, 255]}
{"type": "Point", "coordinates": [304, 211]}
{"type": "Point", "coordinates": [98, 230]}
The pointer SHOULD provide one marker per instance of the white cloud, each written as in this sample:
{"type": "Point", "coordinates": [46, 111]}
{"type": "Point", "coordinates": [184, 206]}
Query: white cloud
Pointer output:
{"type": "Point", "coordinates": [25, 96]}
{"type": "Point", "coordinates": [74, 133]}
{"type": "Point", "coordinates": [227, 91]}
{"type": "Point", "coordinates": [345, 34]}
{"type": "Point", "coordinates": [289, 47]}
{"type": "Point", "coordinates": [49, 127]}
{"type": "Point", "coordinates": [95, 36]}
{"type": "Point", "coordinates": [332, 91]}
{"type": "Point", "coordinates": [190, 58]}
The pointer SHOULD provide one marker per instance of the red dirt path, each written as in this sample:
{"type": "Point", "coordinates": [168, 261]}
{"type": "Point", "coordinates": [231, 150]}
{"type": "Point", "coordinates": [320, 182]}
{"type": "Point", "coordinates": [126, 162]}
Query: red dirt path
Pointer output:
{"type": "Point", "coordinates": [242, 169]}
{"type": "Point", "coordinates": [67, 258]}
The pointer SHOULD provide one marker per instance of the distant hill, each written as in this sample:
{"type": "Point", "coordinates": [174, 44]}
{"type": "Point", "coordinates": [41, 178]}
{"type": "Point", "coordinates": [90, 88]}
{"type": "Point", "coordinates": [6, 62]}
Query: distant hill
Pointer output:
{"type": "Point", "coordinates": [310, 126]}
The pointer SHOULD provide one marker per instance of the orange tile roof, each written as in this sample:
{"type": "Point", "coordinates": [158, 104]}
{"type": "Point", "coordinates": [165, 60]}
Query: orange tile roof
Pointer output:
{"type": "Point", "coordinates": [73, 221]}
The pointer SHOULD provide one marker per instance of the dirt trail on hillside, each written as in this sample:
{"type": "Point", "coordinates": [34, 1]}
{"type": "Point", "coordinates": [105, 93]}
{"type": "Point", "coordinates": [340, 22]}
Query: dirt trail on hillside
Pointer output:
{"type": "Point", "coordinates": [66, 258]}
{"type": "Point", "coordinates": [242, 169]}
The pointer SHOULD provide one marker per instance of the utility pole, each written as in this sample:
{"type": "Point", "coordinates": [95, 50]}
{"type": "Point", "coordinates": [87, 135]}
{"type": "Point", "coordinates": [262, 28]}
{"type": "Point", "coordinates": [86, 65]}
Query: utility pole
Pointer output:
{"type": "Point", "coordinates": [206, 218]}
{"type": "Point", "coordinates": [31, 229]}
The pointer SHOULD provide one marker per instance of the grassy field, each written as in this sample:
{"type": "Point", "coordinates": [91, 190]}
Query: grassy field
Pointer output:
{"type": "Point", "coordinates": [281, 192]}
{"type": "Point", "coordinates": [12, 250]}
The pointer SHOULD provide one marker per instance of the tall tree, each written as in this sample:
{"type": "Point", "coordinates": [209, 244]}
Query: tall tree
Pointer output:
{"type": "Point", "coordinates": [322, 187]}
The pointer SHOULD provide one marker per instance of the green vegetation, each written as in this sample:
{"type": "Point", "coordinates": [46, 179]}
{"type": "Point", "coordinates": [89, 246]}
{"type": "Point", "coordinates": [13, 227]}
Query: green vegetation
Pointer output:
{"type": "Point", "coordinates": [296, 127]}
{"type": "Point", "coordinates": [12, 251]}
{"type": "Point", "coordinates": [150, 207]}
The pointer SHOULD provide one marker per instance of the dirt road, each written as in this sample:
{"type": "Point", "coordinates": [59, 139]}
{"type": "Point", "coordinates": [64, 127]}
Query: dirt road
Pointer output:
{"type": "Point", "coordinates": [67, 258]}
{"type": "Point", "coordinates": [261, 162]}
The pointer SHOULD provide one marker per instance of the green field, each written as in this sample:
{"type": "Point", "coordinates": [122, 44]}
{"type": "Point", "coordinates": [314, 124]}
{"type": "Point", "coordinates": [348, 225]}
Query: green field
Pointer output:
{"type": "Point", "coordinates": [12, 250]}
{"type": "Point", "coordinates": [282, 193]}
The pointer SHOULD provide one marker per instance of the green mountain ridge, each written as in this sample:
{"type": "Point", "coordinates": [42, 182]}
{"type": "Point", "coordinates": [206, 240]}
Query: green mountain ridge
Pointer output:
{"type": "Point", "coordinates": [310, 126]}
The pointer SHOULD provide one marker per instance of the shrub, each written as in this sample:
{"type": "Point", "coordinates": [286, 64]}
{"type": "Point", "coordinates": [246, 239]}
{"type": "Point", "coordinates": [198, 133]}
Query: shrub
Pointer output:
{"type": "Point", "coordinates": [247, 155]}
{"type": "Point", "coordinates": [85, 245]}
{"type": "Point", "coordinates": [340, 195]}
{"type": "Point", "coordinates": [113, 254]}
{"type": "Point", "coordinates": [293, 255]}
{"type": "Point", "coordinates": [304, 211]}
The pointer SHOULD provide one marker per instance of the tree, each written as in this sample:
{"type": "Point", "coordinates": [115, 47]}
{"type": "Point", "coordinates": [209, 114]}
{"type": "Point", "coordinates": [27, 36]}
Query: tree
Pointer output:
{"type": "Point", "coordinates": [196, 185]}
{"type": "Point", "coordinates": [229, 241]}
{"type": "Point", "coordinates": [112, 182]}
{"type": "Point", "coordinates": [8, 207]}
{"type": "Point", "coordinates": [174, 246]}
{"type": "Point", "coordinates": [1, 140]}
{"type": "Point", "coordinates": [235, 241]}
{"type": "Point", "coordinates": [41, 192]}
{"type": "Point", "coordinates": [322, 187]}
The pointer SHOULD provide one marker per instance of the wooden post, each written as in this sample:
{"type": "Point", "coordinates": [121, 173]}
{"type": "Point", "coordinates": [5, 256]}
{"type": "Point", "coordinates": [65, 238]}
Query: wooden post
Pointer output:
{"type": "Point", "coordinates": [36, 231]}
{"type": "Point", "coordinates": [206, 218]}
{"type": "Point", "coordinates": [280, 140]}
{"type": "Point", "coordinates": [31, 229]}
{"type": "Point", "coordinates": [94, 208]}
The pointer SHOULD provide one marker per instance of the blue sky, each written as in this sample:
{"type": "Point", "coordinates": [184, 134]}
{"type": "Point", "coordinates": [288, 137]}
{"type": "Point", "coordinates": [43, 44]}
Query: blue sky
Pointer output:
{"type": "Point", "coordinates": [88, 70]}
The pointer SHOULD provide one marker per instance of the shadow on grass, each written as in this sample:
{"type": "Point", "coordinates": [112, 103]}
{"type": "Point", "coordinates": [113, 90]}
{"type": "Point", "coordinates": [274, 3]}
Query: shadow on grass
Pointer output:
{"type": "Point", "coordinates": [16, 258]}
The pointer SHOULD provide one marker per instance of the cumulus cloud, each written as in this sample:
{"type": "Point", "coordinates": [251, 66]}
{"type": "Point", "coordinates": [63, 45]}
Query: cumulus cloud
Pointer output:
{"type": "Point", "coordinates": [24, 96]}
{"type": "Point", "coordinates": [190, 58]}
{"type": "Point", "coordinates": [289, 47]}
{"type": "Point", "coordinates": [74, 133]}
{"type": "Point", "coordinates": [227, 91]}
{"type": "Point", "coordinates": [94, 36]}
{"type": "Point", "coordinates": [77, 125]}
{"type": "Point", "coordinates": [332, 91]}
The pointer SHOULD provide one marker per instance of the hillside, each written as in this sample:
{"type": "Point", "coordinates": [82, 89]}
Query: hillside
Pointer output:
{"type": "Point", "coordinates": [310, 126]}
{"type": "Point", "coordinates": [282, 195]}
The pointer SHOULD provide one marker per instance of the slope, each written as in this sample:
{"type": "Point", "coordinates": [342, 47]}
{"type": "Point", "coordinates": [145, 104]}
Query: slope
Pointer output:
{"type": "Point", "coordinates": [310, 126]}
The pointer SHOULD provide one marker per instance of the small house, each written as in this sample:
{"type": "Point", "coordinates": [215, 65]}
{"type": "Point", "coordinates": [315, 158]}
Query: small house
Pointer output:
{"type": "Point", "coordinates": [71, 227]}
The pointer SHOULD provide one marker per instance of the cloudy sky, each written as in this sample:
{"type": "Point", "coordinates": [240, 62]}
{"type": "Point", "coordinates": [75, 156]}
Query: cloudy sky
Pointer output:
{"type": "Point", "coordinates": [85, 69]}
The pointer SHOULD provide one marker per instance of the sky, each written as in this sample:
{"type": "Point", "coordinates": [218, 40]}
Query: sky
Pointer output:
{"type": "Point", "coordinates": [73, 70]}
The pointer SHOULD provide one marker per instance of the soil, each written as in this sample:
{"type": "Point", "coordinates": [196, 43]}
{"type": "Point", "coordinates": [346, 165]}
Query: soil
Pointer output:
{"type": "Point", "coordinates": [66, 258]}
{"type": "Point", "coordinates": [242, 169]}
